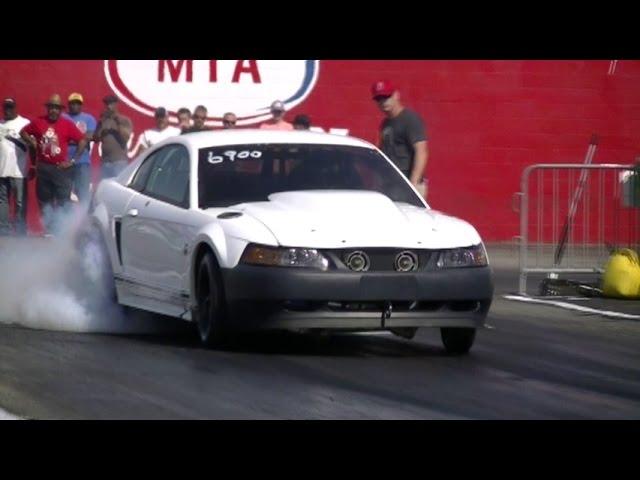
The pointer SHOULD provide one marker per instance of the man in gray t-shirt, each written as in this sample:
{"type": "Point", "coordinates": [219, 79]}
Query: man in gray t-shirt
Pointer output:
{"type": "Point", "coordinates": [403, 136]}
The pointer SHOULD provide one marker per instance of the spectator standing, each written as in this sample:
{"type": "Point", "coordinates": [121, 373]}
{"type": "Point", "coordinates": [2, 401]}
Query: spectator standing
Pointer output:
{"type": "Point", "coordinates": [277, 122]}
{"type": "Point", "coordinates": [86, 123]}
{"type": "Point", "coordinates": [113, 132]}
{"type": "Point", "coordinates": [161, 132]}
{"type": "Point", "coordinates": [184, 119]}
{"type": "Point", "coordinates": [14, 169]}
{"type": "Point", "coordinates": [50, 136]}
{"type": "Point", "coordinates": [403, 135]}
{"type": "Point", "coordinates": [229, 120]}
{"type": "Point", "coordinates": [301, 122]}
{"type": "Point", "coordinates": [199, 117]}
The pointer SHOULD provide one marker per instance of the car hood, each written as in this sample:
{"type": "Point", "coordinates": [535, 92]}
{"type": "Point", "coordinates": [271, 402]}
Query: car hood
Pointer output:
{"type": "Point", "coordinates": [343, 219]}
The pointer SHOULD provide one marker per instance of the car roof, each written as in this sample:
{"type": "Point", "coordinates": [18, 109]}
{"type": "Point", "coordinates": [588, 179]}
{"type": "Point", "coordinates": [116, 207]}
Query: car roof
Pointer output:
{"type": "Point", "coordinates": [248, 136]}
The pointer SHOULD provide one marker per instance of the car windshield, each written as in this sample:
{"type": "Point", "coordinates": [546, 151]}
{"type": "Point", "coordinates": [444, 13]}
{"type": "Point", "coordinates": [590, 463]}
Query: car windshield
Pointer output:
{"type": "Point", "coordinates": [235, 174]}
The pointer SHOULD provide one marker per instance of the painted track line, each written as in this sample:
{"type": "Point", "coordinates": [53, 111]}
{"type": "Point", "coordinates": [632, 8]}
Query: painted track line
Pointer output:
{"type": "Point", "coordinates": [571, 306]}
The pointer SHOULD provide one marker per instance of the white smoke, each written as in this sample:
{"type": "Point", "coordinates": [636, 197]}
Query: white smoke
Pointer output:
{"type": "Point", "coordinates": [46, 284]}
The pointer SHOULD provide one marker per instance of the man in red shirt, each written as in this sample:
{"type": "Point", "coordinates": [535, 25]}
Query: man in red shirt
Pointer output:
{"type": "Point", "coordinates": [50, 135]}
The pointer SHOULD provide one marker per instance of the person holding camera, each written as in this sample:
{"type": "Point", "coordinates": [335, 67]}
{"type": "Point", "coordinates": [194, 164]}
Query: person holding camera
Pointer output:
{"type": "Point", "coordinates": [113, 132]}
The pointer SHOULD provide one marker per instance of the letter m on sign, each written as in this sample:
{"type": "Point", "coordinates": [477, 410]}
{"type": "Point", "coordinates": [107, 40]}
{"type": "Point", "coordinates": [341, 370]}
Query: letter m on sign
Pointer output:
{"type": "Point", "coordinates": [175, 68]}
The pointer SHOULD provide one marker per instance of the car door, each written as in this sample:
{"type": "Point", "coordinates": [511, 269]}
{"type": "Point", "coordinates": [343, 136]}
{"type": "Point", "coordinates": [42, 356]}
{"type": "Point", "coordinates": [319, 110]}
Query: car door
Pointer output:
{"type": "Point", "coordinates": [155, 229]}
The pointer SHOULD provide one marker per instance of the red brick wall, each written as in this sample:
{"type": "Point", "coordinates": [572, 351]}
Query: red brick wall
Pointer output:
{"type": "Point", "coordinates": [487, 120]}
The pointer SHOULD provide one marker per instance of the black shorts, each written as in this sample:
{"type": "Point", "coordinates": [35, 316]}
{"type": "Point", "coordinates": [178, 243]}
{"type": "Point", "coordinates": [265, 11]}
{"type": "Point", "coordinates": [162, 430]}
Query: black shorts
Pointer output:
{"type": "Point", "coordinates": [53, 183]}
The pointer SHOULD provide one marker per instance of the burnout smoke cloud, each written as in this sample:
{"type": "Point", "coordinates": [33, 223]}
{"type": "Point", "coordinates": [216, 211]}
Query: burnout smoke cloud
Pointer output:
{"type": "Point", "coordinates": [46, 283]}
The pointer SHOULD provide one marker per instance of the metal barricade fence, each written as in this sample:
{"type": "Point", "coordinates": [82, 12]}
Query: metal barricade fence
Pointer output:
{"type": "Point", "coordinates": [572, 216]}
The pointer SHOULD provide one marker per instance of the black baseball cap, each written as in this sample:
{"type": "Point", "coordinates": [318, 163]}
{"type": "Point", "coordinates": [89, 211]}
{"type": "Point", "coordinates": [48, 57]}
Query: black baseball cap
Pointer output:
{"type": "Point", "coordinates": [302, 120]}
{"type": "Point", "coordinates": [109, 99]}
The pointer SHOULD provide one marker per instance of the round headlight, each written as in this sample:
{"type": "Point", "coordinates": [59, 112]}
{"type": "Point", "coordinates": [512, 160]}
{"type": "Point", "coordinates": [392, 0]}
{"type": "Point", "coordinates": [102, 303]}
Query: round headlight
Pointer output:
{"type": "Point", "coordinates": [358, 261]}
{"type": "Point", "coordinates": [406, 262]}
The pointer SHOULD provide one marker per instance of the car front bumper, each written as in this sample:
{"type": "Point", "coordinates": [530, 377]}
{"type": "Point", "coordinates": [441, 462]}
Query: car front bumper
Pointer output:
{"type": "Point", "coordinates": [278, 297]}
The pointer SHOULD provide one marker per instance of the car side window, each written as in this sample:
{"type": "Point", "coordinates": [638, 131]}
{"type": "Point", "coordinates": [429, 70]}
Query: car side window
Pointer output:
{"type": "Point", "coordinates": [168, 178]}
{"type": "Point", "coordinates": [142, 175]}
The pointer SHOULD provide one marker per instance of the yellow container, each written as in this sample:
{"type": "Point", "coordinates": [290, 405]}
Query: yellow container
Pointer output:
{"type": "Point", "coordinates": [622, 275]}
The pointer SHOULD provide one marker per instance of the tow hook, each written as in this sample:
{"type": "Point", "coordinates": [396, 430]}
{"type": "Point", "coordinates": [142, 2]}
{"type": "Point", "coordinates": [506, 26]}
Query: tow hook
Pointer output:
{"type": "Point", "coordinates": [386, 313]}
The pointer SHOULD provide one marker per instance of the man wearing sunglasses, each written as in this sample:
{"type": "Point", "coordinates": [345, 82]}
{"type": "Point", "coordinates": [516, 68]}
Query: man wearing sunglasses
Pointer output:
{"type": "Point", "coordinates": [199, 117]}
{"type": "Point", "coordinates": [50, 136]}
{"type": "Point", "coordinates": [403, 136]}
{"type": "Point", "coordinates": [229, 120]}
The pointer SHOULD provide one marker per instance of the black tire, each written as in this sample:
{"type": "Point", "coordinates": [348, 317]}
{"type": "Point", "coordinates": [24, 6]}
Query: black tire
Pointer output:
{"type": "Point", "coordinates": [210, 316]}
{"type": "Point", "coordinates": [458, 341]}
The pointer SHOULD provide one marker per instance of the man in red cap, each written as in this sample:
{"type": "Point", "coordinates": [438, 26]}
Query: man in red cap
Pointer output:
{"type": "Point", "coordinates": [403, 136]}
{"type": "Point", "coordinates": [50, 135]}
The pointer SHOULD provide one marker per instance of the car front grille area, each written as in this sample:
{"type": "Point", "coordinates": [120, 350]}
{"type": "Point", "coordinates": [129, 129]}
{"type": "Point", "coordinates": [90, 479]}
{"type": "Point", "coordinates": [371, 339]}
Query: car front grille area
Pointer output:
{"type": "Point", "coordinates": [382, 259]}
{"type": "Point", "coordinates": [399, 306]}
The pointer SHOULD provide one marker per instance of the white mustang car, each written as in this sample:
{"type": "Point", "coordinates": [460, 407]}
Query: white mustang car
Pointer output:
{"type": "Point", "coordinates": [248, 229]}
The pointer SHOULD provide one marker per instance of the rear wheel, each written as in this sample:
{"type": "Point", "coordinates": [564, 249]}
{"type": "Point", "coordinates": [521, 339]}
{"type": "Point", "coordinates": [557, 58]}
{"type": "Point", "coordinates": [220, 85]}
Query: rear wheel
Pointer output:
{"type": "Point", "coordinates": [458, 341]}
{"type": "Point", "coordinates": [210, 314]}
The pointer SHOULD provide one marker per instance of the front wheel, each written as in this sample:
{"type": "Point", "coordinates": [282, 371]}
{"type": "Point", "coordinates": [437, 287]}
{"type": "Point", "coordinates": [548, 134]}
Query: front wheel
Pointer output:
{"type": "Point", "coordinates": [210, 314]}
{"type": "Point", "coordinates": [458, 341]}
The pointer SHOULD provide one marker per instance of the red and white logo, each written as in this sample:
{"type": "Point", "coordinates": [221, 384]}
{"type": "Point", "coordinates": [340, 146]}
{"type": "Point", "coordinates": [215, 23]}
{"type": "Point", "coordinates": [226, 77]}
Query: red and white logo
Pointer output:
{"type": "Point", "coordinates": [244, 87]}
